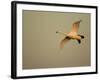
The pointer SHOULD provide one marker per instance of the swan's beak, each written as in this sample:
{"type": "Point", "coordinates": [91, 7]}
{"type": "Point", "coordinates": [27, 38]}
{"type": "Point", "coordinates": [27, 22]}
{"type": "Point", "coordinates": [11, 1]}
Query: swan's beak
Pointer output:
{"type": "Point", "coordinates": [56, 31]}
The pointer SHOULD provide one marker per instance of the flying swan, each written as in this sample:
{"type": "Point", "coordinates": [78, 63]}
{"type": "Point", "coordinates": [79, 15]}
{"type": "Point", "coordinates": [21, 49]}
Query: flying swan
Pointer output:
{"type": "Point", "coordinates": [72, 34]}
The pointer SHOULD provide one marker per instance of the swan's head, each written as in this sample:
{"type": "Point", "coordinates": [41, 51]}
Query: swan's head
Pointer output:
{"type": "Point", "coordinates": [57, 32]}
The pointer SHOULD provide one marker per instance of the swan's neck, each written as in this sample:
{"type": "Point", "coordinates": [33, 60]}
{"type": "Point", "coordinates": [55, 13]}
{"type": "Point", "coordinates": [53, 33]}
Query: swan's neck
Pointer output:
{"type": "Point", "coordinates": [61, 33]}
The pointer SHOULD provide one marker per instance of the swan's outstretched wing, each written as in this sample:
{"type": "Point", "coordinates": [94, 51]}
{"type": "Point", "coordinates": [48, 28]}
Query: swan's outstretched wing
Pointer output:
{"type": "Point", "coordinates": [64, 41]}
{"type": "Point", "coordinates": [75, 26]}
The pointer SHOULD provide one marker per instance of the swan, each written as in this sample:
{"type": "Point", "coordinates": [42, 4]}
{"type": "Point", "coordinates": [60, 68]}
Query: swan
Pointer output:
{"type": "Point", "coordinates": [72, 34]}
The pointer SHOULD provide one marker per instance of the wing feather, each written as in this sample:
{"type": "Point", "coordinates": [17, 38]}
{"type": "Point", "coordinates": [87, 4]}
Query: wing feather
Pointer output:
{"type": "Point", "coordinates": [75, 26]}
{"type": "Point", "coordinates": [64, 41]}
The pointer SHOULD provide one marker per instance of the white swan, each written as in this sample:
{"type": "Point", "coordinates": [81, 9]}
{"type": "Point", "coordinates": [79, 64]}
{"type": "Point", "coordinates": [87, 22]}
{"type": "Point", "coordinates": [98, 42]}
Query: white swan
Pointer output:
{"type": "Point", "coordinates": [72, 34]}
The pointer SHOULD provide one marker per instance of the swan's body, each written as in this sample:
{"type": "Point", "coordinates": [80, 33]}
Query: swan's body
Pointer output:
{"type": "Point", "coordinates": [71, 35]}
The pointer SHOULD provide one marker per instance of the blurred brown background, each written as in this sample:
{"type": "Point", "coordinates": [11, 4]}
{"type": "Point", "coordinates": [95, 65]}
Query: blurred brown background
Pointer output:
{"type": "Point", "coordinates": [41, 43]}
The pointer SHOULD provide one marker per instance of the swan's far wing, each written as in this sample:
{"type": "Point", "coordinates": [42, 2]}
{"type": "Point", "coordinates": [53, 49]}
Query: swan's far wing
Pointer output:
{"type": "Point", "coordinates": [75, 26]}
{"type": "Point", "coordinates": [64, 41]}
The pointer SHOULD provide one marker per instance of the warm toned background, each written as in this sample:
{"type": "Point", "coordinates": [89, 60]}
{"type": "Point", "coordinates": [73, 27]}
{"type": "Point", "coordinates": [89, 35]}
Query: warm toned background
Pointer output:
{"type": "Point", "coordinates": [41, 43]}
